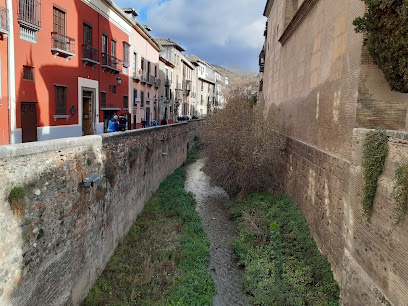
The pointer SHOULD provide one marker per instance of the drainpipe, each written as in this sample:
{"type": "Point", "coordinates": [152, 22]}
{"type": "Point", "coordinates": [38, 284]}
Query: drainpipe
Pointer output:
{"type": "Point", "coordinates": [11, 73]}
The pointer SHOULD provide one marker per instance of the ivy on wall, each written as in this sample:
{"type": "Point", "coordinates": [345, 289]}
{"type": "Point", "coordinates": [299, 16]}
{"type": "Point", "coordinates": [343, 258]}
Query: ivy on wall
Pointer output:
{"type": "Point", "coordinates": [375, 150]}
{"type": "Point", "coordinates": [401, 191]}
{"type": "Point", "coordinates": [386, 25]}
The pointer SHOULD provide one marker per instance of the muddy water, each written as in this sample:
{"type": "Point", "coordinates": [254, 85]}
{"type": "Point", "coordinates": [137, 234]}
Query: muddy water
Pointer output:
{"type": "Point", "coordinates": [221, 232]}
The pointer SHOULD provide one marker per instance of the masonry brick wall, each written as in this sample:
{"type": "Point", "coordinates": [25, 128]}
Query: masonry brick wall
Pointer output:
{"type": "Point", "coordinates": [317, 182]}
{"type": "Point", "coordinates": [322, 83]}
{"type": "Point", "coordinates": [52, 254]}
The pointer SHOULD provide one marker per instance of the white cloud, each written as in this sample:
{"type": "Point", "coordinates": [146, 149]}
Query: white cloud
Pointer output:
{"type": "Point", "coordinates": [212, 25]}
{"type": "Point", "coordinates": [214, 21]}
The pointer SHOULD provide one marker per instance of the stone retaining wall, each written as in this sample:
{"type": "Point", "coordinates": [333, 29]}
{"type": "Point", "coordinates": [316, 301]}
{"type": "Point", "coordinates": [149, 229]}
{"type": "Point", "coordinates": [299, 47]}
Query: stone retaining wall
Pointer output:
{"type": "Point", "coordinates": [368, 257]}
{"type": "Point", "coordinates": [53, 253]}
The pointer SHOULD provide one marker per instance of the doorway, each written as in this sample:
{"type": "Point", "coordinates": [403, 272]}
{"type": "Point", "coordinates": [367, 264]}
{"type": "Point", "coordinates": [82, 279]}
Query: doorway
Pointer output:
{"type": "Point", "coordinates": [147, 116]}
{"type": "Point", "coordinates": [29, 121]}
{"type": "Point", "coordinates": [88, 113]}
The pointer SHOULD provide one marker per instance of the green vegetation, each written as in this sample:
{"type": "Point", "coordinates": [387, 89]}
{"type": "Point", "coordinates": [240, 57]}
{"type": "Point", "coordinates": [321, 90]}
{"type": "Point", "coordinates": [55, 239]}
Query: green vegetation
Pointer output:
{"type": "Point", "coordinates": [375, 150]}
{"type": "Point", "coordinates": [283, 265]}
{"type": "Point", "coordinates": [17, 202]}
{"type": "Point", "coordinates": [401, 191]}
{"type": "Point", "coordinates": [133, 156]}
{"type": "Point", "coordinates": [386, 23]}
{"type": "Point", "coordinates": [110, 170]}
{"type": "Point", "coordinates": [164, 258]}
{"type": "Point", "coordinates": [192, 156]}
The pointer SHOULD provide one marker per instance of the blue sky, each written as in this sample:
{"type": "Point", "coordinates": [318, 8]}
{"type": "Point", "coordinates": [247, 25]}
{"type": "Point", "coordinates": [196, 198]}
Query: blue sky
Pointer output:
{"type": "Point", "coordinates": [222, 32]}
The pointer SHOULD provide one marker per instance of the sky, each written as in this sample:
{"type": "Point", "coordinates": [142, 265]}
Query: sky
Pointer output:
{"type": "Point", "coordinates": [222, 32]}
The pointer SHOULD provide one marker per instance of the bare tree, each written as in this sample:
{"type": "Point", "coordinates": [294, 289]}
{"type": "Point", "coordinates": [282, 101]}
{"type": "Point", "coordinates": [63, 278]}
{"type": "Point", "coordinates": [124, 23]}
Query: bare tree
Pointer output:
{"type": "Point", "coordinates": [242, 145]}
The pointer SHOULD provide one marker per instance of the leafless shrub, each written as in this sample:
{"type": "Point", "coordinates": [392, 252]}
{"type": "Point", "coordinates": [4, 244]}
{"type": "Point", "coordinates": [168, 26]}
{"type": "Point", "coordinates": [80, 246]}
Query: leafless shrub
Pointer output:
{"type": "Point", "coordinates": [243, 146]}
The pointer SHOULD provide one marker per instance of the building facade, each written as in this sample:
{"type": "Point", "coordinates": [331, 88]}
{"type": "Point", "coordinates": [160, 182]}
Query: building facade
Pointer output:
{"type": "Point", "coordinates": [69, 66]}
{"type": "Point", "coordinates": [317, 75]}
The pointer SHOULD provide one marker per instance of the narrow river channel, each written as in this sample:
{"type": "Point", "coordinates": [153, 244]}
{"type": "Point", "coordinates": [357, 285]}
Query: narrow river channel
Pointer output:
{"type": "Point", "coordinates": [221, 231]}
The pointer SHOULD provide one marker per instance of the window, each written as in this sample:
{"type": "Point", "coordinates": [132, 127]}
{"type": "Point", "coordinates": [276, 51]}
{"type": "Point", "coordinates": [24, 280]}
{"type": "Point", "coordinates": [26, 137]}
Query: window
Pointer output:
{"type": "Point", "coordinates": [113, 48]}
{"type": "Point", "coordinates": [28, 73]}
{"type": "Point", "coordinates": [148, 68]}
{"type": "Point", "coordinates": [141, 98]}
{"type": "Point", "coordinates": [104, 43]}
{"type": "Point", "coordinates": [202, 86]}
{"type": "Point", "coordinates": [60, 100]}
{"type": "Point", "coordinates": [135, 97]}
{"type": "Point", "coordinates": [142, 64]}
{"type": "Point", "coordinates": [59, 21]}
{"type": "Point", "coordinates": [29, 14]}
{"type": "Point", "coordinates": [155, 71]}
{"type": "Point", "coordinates": [103, 99]}
{"type": "Point", "coordinates": [125, 102]}
{"type": "Point", "coordinates": [87, 34]}
{"type": "Point", "coordinates": [134, 63]}
{"type": "Point", "coordinates": [126, 48]}
{"type": "Point", "coordinates": [113, 87]}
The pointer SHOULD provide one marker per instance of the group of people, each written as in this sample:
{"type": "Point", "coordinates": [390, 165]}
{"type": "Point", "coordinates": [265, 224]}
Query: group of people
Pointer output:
{"type": "Point", "coordinates": [119, 123]}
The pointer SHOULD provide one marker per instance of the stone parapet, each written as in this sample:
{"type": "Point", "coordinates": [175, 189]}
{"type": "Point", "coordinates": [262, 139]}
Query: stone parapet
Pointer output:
{"type": "Point", "coordinates": [54, 251]}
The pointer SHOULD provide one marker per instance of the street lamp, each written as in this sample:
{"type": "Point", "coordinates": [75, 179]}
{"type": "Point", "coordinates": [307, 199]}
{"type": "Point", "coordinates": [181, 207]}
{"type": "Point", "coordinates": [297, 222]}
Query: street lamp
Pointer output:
{"type": "Point", "coordinates": [118, 79]}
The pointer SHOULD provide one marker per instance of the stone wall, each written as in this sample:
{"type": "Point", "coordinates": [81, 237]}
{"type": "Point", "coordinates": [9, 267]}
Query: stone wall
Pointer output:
{"type": "Point", "coordinates": [367, 257]}
{"type": "Point", "coordinates": [317, 182]}
{"type": "Point", "coordinates": [53, 253]}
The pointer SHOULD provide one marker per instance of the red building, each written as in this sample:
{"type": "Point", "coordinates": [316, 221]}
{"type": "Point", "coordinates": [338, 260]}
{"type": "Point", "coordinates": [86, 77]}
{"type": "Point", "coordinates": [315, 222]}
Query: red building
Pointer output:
{"type": "Point", "coordinates": [4, 96]}
{"type": "Point", "coordinates": [71, 68]}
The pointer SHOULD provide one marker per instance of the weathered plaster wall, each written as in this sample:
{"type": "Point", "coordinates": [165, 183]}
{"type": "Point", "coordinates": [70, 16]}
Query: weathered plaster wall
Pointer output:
{"type": "Point", "coordinates": [52, 254]}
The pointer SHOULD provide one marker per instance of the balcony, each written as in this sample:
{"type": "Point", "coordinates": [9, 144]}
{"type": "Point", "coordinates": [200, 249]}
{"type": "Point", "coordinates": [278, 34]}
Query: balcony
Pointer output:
{"type": "Point", "coordinates": [150, 80]}
{"type": "Point", "coordinates": [157, 83]}
{"type": "Point", "coordinates": [137, 76]}
{"type": "Point", "coordinates": [62, 45]}
{"type": "Point", "coordinates": [110, 63]}
{"type": "Point", "coordinates": [4, 25]}
{"type": "Point", "coordinates": [29, 14]}
{"type": "Point", "coordinates": [167, 82]}
{"type": "Point", "coordinates": [90, 55]}
{"type": "Point", "coordinates": [144, 77]}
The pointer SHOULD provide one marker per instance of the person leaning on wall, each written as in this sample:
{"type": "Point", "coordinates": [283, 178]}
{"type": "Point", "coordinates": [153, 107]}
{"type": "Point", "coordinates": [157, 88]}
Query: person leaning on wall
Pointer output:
{"type": "Point", "coordinates": [113, 124]}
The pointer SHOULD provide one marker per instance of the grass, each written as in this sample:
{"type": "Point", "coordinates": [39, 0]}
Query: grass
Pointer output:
{"type": "Point", "coordinates": [283, 265]}
{"type": "Point", "coordinates": [164, 258]}
{"type": "Point", "coordinates": [193, 155]}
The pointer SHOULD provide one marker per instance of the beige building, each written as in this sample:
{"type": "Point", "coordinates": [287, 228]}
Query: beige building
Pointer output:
{"type": "Point", "coordinates": [182, 75]}
{"type": "Point", "coordinates": [316, 72]}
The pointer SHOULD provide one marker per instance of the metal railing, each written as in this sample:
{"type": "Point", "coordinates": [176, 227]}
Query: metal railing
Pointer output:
{"type": "Point", "coordinates": [144, 77]}
{"type": "Point", "coordinates": [157, 83]}
{"type": "Point", "coordinates": [151, 79]}
{"type": "Point", "coordinates": [167, 81]}
{"type": "Point", "coordinates": [62, 43]}
{"type": "Point", "coordinates": [90, 53]}
{"type": "Point", "coordinates": [4, 25]}
{"type": "Point", "coordinates": [110, 61]}
{"type": "Point", "coordinates": [29, 13]}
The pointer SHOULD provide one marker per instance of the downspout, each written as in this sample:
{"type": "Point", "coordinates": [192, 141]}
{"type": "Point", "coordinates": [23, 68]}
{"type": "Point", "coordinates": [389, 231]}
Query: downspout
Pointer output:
{"type": "Point", "coordinates": [11, 76]}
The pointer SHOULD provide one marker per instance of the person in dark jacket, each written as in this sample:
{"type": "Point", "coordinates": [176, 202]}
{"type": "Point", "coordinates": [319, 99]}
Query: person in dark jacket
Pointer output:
{"type": "Point", "coordinates": [122, 124]}
{"type": "Point", "coordinates": [163, 122]}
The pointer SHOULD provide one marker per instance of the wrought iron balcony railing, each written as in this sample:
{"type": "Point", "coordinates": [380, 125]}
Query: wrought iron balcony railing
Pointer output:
{"type": "Point", "coordinates": [145, 77]}
{"type": "Point", "coordinates": [167, 82]}
{"type": "Point", "coordinates": [110, 63]}
{"type": "Point", "coordinates": [150, 81]}
{"type": "Point", "coordinates": [29, 14]}
{"type": "Point", "coordinates": [90, 55]}
{"type": "Point", "coordinates": [62, 45]}
{"type": "Point", "coordinates": [157, 83]}
{"type": "Point", "coordinates": [4, 24]}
